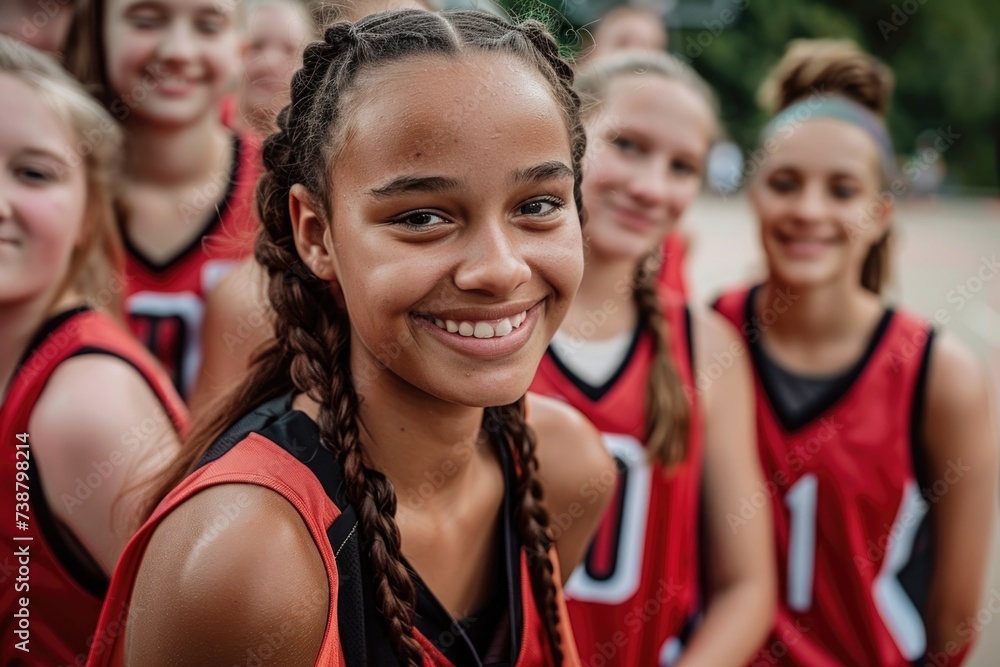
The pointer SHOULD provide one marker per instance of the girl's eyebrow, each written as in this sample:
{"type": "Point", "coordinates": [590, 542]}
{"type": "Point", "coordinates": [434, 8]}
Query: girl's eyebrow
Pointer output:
{"type": "Point", "coordinates": [44, 153]}
{"type": "Point", "coordinates": [542, 172]}
{"type": "Point", "coordinates": [407, 184]}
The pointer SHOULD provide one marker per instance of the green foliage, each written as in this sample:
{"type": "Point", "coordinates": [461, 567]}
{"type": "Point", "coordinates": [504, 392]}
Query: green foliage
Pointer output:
{"type": "Point", "coordinates": [945, 55]}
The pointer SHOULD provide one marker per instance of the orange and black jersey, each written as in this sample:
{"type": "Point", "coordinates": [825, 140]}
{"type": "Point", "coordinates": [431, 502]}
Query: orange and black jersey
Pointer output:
{"type": "Point", "coordinates": [279, 448]}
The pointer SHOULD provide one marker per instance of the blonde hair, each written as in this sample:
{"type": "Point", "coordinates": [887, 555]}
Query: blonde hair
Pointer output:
{"type": "Point", "coordinates": [98, 255]}
{"type": "Point", "coordinates": [668, 414]}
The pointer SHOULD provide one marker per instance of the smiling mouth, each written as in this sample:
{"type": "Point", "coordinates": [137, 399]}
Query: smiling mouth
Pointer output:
{"type": "Point", "coordinates": [479, 328]}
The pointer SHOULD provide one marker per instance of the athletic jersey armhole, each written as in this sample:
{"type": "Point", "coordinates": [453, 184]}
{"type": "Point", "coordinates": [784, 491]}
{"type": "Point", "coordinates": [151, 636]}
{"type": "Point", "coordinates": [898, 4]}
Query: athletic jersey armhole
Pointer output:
{"type": "Point", "coordinates": [917, 412]}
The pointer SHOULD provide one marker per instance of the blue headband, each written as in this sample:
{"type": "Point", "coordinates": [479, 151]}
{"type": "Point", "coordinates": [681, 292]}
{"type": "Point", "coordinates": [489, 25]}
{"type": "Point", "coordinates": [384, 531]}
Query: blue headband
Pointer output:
{"type": "Point", "coordinates": [839, 108]}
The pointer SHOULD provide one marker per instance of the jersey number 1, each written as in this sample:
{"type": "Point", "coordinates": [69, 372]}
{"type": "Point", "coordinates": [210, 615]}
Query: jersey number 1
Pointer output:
{"type": "Point", "coordinates": [897, 610]}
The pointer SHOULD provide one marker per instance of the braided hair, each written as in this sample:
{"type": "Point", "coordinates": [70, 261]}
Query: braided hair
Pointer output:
{"type": "Point", "coordinates": [310, 352]}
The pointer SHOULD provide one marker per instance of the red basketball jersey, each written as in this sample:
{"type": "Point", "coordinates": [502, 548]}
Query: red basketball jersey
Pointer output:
{"type": "Point", "coordinates": [635, 597]}
{"type": "Point", "coordinates": [280, 450]}
{"type": "Point", "coordinates": [672, 270]}
{"type": "Point", "coordinates": [166, 301]}
{"type": "Point", "coordinates": [47, 596]}
{"type": "Point", "coordinates": [851, 536]}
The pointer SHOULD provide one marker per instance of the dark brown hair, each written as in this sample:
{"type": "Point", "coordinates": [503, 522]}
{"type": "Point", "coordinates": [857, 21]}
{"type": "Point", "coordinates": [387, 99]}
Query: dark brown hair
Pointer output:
{"type": "Point", "coordinates": [311, 349]}
{"type": "Point", "coordinates": [835, 66]}
{"type": "Point", "coordinates": [668, 415]}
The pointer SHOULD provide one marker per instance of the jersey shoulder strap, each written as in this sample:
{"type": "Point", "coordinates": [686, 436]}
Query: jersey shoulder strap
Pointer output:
{"type": "Point", "coordinates": [363, 635]}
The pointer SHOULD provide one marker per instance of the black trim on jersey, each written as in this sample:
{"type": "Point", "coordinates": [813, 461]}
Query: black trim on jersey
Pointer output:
{"type": "Point", "coordinates": [74, 559]}
{"type": "Point", "coordinates": [789, 420]}
{"type": "Point", "coordinates": [47, 328]}
{"type": "Point", "coordinates": [595, 394]}
{"type": "Point", "coordinates": [690, 340]}
{"type": "Point", "coordinates": [622, 485]}
{"type": "Point", "coordinates": [435, 622]}
{"type": "Point", "coordinates": [364, 637]}
{"type": "Point", "coordinates": [915, 576]}
{"type": "Point", "coordinates": [214, 219]}
{"type": "Point", "coordinates": [917, 413]}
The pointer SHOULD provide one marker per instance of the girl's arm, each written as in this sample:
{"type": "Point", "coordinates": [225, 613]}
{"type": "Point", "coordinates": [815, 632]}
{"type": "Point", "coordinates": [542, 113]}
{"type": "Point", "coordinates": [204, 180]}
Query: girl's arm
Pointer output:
{"type": "Point", "coordinates": [578, 476]}
{"type": "Point", "coordinates": [237, 322]}
{"type": "Point", "coordinates": [960, 446]}
{"type": "Point", "coordinates": [98, 435]}
{"type": "Point", "coordinates": [219, 592]}
{"type": "Point", "coordinates": [741, 562]}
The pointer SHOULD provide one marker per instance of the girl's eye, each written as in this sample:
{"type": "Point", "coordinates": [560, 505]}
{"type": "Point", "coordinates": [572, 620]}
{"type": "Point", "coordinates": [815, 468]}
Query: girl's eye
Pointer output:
{"type": "Point", "coordinates": [782, 184]}
{"type": "Point", "coordinates": [540, 207]}
{"type": "Point", "coordinates": [626, 145]}
{"type": "Point", "coordinates": [35, 175]}
{"type": "Point", "coordinates": [145, 21]}
{"type": "Point", "coordinates": [419, 221]}
{"type": "Point", "coordinates": [210, 27]}
{"type": "Point", "coordinates": [682, 168]}
{"type": "Point", "coordinates": [843, 191]}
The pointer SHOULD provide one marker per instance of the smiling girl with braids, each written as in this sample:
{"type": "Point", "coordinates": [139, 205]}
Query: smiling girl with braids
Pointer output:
{"type": "Point", "coordinates": [382, 505]}
{"type": "Point", "coordinates": [627, 357]}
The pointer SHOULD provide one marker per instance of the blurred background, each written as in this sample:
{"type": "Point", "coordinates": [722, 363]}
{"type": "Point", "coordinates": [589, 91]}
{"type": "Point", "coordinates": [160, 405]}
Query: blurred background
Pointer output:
{"type": "Point", "coordinates": [945, 55]}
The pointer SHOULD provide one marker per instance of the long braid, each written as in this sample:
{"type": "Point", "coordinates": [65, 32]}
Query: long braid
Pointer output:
{"type": "Point", "coordinates": [668, 417]}
{"type": "Point", "coordinates": [531, 518]}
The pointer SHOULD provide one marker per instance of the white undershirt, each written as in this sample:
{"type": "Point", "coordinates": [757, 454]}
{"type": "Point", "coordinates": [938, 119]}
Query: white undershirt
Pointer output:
{"type": "Point", "coordinates": [593, 361]}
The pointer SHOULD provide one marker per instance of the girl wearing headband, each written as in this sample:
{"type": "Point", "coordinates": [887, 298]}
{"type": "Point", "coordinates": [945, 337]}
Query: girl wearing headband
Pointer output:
{"type": "Point", "coordinates": [874, 431]}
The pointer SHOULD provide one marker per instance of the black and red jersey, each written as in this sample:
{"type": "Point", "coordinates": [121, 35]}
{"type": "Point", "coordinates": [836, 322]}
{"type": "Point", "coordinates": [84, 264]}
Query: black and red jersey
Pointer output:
{"type": "Point", "coordinates": [279, 448]}
{"type": "Point", "coordinates": [38, 564]}
{"type": "Point", "coordinates": [165, 301]}
{"type": "Point", "coordinates": [852, 541]}
{"type": "Point", "coordinates": [634, 599]}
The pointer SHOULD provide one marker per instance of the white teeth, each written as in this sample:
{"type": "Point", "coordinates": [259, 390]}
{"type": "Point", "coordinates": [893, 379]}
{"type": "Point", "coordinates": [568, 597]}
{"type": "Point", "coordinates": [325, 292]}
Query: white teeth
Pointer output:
{"type": "Point", "coordinates": [482, 330]}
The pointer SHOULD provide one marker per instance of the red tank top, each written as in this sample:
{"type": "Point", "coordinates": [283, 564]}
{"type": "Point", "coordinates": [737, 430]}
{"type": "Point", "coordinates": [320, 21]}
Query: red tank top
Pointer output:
{"type": "Point", "coordinates": [852, 543]}
{"type": "Point", "coordinates": [634, 598]}
{"type": "Point", "coordinates": [672, 270]}
{"type": "Point", "coordinates": [63, 599]}
{"type": "Point", "coordinates": [166, 301]}
{"type": "Point", "coordinates": [278, 448]}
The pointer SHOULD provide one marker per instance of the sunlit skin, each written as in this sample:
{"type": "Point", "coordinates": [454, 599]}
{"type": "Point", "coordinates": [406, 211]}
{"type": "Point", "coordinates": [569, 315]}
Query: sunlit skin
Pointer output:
{"type": "Point", "coordinates": [279, 31]}
{"type": "Point", "coordinates": [170, 62]}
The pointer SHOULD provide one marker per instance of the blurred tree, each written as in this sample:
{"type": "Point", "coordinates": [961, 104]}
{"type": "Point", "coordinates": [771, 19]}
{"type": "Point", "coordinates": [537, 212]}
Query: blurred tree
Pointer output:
{"type": "Point", "coordinates": [945, 55]}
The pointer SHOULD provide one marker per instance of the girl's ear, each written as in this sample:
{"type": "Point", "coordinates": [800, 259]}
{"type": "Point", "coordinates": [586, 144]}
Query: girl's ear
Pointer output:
{"type": "Point", "coordinates": [312, 239]}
